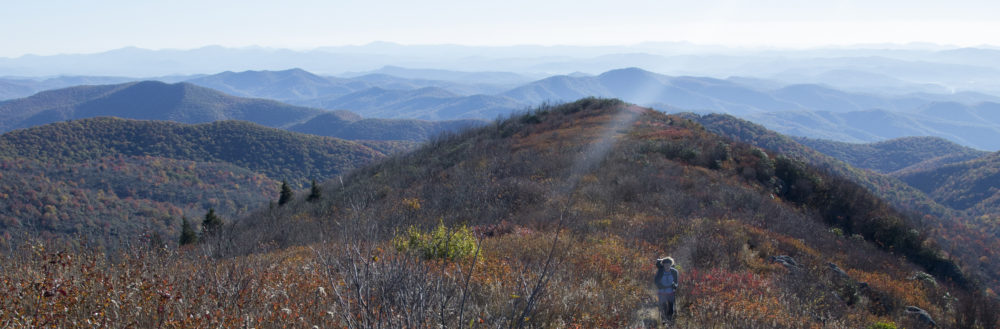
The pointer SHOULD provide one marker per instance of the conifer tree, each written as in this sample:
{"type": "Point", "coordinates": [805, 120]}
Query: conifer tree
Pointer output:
{"type": "Point", "coordinates": [188, 236]}
{"type": "Point", "coordinates": [286, 194]}
{"type": "Point", "coordinates": [211, 224]}
{"type": "Point", "coordinates": [314, 194]}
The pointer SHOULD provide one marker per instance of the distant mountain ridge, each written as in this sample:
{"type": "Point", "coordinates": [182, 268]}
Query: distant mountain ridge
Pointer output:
{"type": "Point", "coordinates": [503, 78]}
{"type": "Point", "coordinates": [808, 110]}
{"type": "Point", "coordinates": [409, 95]}
{"type": "Point", "coordinates": [188, 103]}
{"type": "Point", "coordinates": [898, 69]}
{"type": "Point", "coordinates": [285, 86]}
{"type": "Point", "coordinates": [732, 96]}
{"type": "Point", "coordinates": [11, 88]}
{"type": "Point", "coordinates": [347, 125]}
{"type": "Point", "coordinates": [391, 92]}
{"type": "Point", "coordinates": [147, 100]}
{"type": "Point", "coordinates": [974, 126]}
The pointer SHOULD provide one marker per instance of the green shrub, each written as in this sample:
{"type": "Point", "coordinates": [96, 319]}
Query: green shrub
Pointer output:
{"type": "Point", "coordinates": [883, 325]}
{"type": "Point", "coordinates": [440, 243]}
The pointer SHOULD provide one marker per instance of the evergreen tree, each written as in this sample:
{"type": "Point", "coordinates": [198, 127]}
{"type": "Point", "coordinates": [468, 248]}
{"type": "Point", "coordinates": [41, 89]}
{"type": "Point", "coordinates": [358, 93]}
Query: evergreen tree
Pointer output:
{"type": "Point", "coordinates": [286, 194]}
{"type": "Point", "coordinates": [314, 194]}
{"type": "Point", "coordinates": [211, 224]}
{"type": "Point", "coordinates": [188, 236]}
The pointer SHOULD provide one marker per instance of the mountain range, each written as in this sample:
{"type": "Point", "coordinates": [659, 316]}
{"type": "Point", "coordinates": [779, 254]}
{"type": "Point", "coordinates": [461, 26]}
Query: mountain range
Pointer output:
{"type": "Point", "coordinates": [970, 125]}
{"type": "Point", "coordinates": [187, 103]}
{"type": "Point", "coordinates": [146, 100]}
{"type": "Point", "coordinates": [889, 68]}
{"type": "Point", "coordinates": [11, 88]}
{"type": "Point", "coordinates": [806, 110]}
{"type": "Point", "coordinates": [777, 105]}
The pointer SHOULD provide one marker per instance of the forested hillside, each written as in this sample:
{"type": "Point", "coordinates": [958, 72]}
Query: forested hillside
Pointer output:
{"type": "Point", "coordinates": [969, 186]}
{"type": "Point", "coordinates": [110, 180]}
{"type": "Point", "coordinates": [895, 155]}
{"type": "Point", "coordinates": [278, 154]}
{"type": "Point", "coordinates": [900, 194]}
{"type": "Point", "coordinates": [107, 200]}
{"type": "Point", "coordinates": [968, 237]}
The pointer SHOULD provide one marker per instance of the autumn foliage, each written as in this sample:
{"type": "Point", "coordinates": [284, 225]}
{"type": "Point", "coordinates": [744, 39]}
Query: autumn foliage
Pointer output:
{"type": "Point", "coordinates": [565, 210]}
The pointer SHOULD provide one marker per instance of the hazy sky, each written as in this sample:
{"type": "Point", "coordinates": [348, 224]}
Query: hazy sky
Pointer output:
{"type": "Point", "coordinates": [74, 26]}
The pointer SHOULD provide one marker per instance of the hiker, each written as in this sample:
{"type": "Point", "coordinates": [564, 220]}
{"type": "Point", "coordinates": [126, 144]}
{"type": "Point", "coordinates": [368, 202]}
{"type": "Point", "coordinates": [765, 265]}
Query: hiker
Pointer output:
{"type": "Point", "coordinates": [666, 285]}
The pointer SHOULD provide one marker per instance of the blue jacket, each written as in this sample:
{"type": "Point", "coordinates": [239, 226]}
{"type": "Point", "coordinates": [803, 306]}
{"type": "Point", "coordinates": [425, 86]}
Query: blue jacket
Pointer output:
{"type": "Point", "coordinates": [659, 279]}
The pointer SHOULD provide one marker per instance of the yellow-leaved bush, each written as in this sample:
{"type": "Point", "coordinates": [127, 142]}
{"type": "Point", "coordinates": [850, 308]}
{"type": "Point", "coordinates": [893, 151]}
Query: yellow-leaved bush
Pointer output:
{"type": "Point", "coordinates": [441, 242]}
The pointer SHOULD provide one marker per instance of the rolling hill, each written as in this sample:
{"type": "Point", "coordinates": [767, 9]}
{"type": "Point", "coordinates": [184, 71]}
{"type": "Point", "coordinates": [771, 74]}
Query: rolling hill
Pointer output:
{"type": "Point", "coordinates": [147, 100]}
{"type": "Point", "coordinates": [276, 153]}
{"type": "Point", "coordinates": [110, 179]}
{"type": "Point", "coordinates": [895, 155]}
{"type": "Point", "coordinates": [968, 186]}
